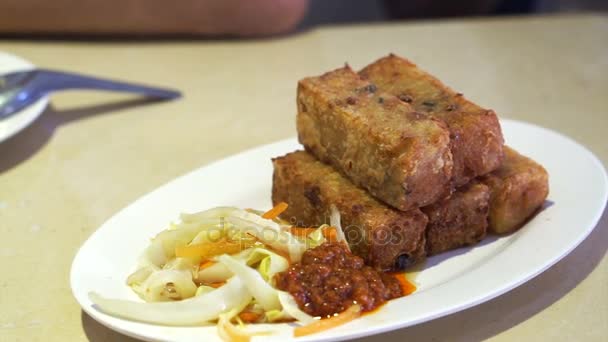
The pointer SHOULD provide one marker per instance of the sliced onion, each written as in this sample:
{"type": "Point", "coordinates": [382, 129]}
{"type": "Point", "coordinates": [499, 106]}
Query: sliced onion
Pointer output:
{"type": "Point", "coordinates": [167, 285]}
{"type": "Point", "coordinates": [216, 212]}
{"type": "Point", "coordinates": [214, 274]}
{"type": "Point", "coordinates": [180, 236]}
{"type": "Point", "coordinates": [139, 276]}
{"type": "Point", "coordinates": [218, 272]}
{"type": "Point", "coordinates": [290, 307]}
{"type": "Point", "coordinates": [264, 294]}
{"type": "Point", "coordinates": [154, 255]}
{"type": "Point", "coordinates": [334, 220]}
{"type": "Point", "coordinates": [192, 311]}
{"type": "Point", "coordinates": [162, 246]}
{"type": "Point", "coordinates": [182, 264]}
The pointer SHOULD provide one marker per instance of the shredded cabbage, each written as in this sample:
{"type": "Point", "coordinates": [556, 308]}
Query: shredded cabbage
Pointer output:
{"type": "Point", "coordinates": [316, 238]}
{"type": "Point", "coordinates": [271, 234]}
{"type": "Point", "coordinates": [231, 333]}
{"type": "Point", "coordinates": [270, 263]}
{"type": "Point", "coordinates": [182, 291]}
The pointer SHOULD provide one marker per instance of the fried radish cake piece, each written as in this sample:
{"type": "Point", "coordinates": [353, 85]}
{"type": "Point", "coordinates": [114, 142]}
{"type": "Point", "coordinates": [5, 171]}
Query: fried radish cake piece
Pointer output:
{"type": "Point", "coordinates": [385, 238]}
{"type": "Point", "coordinates": [457, 221]}
{"type": "Point", "coordinates": [518, 189]}
{"type": "Point", "coordinates": [474, 131]}
{"type": "Point", "coordinates": [379, 142]}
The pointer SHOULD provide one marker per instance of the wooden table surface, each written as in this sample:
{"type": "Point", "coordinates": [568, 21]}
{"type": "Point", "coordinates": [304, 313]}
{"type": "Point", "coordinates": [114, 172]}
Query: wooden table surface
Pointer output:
{"type": "Point", "coordinates": [91, 154]}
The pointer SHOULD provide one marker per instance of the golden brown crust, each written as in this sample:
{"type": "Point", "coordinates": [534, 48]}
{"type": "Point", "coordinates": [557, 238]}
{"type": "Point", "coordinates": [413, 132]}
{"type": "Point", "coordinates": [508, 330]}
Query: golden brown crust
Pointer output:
{"type": "Point", "coordinates": [379, 142]}
{"type": "Point", "coordinates": [384, 237]}
{"type": "Point", "coordinates": [458, 221]}
{"type": "Point", "coordinates": [518, 189]}
{"type": "Point", "coordinates": [475, 132]}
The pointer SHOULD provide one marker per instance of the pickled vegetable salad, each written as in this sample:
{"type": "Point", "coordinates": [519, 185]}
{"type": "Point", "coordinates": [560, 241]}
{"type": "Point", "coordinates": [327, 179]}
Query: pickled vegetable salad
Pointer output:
{"type": "Point", "coordinates": [217, 266]}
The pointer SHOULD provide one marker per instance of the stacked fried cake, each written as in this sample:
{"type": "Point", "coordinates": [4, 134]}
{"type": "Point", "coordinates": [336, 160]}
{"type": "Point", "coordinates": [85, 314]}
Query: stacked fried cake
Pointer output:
{"type": "Point", "coordinates": [413, 167]}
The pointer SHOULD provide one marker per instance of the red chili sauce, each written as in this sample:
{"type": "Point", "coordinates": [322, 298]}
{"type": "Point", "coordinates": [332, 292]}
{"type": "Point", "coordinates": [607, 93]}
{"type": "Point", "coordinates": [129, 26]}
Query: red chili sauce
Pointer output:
{"type": "Point", "coordinates": [329, 279]}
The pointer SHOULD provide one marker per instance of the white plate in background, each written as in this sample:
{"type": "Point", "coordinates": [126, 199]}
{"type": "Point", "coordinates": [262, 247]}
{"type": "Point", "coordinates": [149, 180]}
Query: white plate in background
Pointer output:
{"type": "Point", "coordinates": [448, 283]}
{"type": "Point", "coordinates": [18, 121]}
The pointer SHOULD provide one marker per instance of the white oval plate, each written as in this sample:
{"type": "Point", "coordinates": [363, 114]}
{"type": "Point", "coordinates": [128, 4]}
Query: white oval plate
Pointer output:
{"type": "Point", "coordinates": [22, 119]}
{"type": "Point", "coordinates": [448, 283]}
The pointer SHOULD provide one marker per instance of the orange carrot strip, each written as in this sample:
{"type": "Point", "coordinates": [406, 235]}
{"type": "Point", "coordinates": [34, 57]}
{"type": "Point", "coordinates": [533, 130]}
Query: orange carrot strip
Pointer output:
{"type": "Point", "coordinates": [249, 317]}
{"type": "Point", "coordinates": [216, 285]}
{"type": "Point", "coordinates": [208, 250]}
{"type": "Point", "coordinates": [276, 211]}
{"type": "Point", "coordinates": [301, 232]}
{"type": "Point", "coordinates": [327, 323]}
{"type": "Point", "coordinates": [406, 286]}
{"type": "Point", "coordinates": [330, 233]}
{"type": "Point", "coordinates": [205, 264]}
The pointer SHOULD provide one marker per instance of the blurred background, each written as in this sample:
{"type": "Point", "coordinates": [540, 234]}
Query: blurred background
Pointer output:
{"type": "Point", "coordinates": [352, 11]}
{"type": "Point", "coordinates": [246, 18]}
